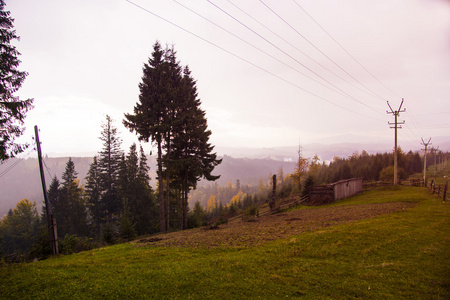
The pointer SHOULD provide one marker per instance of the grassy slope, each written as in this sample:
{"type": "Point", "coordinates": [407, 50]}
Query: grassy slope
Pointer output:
{"type": "Point", "coordinates": [401, 255]}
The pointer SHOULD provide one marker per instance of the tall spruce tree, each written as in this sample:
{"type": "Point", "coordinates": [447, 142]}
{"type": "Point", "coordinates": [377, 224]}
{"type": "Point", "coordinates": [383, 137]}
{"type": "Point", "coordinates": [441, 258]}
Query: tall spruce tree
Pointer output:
{"type": "Point", "coordinates": [53, 192]}
{"type": "Point", "coordinates": [12, 109]}
{"type": "Point", "coordinates": [192, 156]}
{"type": "Point", "coordinates": [93, 193]}
{"type": "Point", "coordinates": [70, 209]}
{"type": "Point", "coordinates": [135, 191]}
{"type": "Point", "coordinates": [150, 113]}
{"type": "Point", "coordinates": [168, 113]}
{"type": "Point", "coordinates": [108, 165]}
{"type": "Point", "coordinates": [174, 98]}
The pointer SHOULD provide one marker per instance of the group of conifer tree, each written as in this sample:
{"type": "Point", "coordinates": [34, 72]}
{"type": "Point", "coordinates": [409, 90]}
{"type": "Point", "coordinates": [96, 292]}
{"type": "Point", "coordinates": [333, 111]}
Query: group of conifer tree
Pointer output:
{"type": "Point", "coordinates": [117, 196]}
{"type": "Point", "coordinates": [168, 114]}
{"type": "Point", "coordinates": [116, 201]}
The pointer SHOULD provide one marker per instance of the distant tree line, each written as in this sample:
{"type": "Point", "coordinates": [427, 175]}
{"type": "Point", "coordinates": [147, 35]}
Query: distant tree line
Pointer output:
{"type": "Point", "coordinates": [214, 200]}
{"type": "Point", "coordinates": [369, 167]}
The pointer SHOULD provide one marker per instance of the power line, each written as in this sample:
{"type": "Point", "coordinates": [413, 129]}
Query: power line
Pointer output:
{"type": "Point", "coordinates": [342, 93]}
{"type": "Point", "coordinates": [255, 47]}
{"type": "Point", "coordinates": [47, 168]}
{"type": "Point", "coordinates": [241, 58]}
{"type": "Point", "coordinates": [342, 47]}
{"type": "Point", "coordinates": [315, 47]}
{"type": "Point", "coordinates": [296, 48]}
{"type": "Point", "coordinates": [293, 58]}
{"type": "Point", "coordinates": [12, 166]}
{"type": "Point", "coordinates": [433, 114]}
{"type": "Point", "coordinates": [15, 164]}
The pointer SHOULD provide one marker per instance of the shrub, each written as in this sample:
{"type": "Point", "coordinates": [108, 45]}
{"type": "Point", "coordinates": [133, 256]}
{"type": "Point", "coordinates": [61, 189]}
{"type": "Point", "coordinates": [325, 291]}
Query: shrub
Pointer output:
{"type": "Point", "coordinates": [127, 231]}
{"type": "Point", "coordinates": [387, 174]}
{"type": "Point", "coordinates": [250, 214]}
{"type": "Point", "coordinates": [109, 236]}
{"type": "Point", "coordinates": [74, 244]}
{"type": "Point", "coordinates": [309, 183]}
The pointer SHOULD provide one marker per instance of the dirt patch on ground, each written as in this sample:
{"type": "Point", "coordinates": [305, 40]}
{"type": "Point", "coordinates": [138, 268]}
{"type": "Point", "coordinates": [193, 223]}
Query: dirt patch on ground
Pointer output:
{"type": "Point", "coordinates": [273, 227]}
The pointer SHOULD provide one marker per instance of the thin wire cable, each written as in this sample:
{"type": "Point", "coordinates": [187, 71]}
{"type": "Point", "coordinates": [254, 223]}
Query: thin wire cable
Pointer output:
{"type": "Point", "coordinates": [271, 56]}
{"type": "Point", "coordinates": [16, 163]}
{"type": "Point", "coordinates": [290, 56]}
{"type": "Point", "coordinates": [315, 47]}
{"type": "Point", "coordinates": [414, 122]}
{"type": "Point", "coordinates": [296, 48]}
{"type": "Point", "coordinates": [345, 50]}
{"type": "Point", "coordinates": [47, 168]}
{"type": "Point", "coordinates": [434, 114]}
{"type": "Point", "coordinates": [12, 166]}
{"type": "Point", "coordinates": [243, 59]}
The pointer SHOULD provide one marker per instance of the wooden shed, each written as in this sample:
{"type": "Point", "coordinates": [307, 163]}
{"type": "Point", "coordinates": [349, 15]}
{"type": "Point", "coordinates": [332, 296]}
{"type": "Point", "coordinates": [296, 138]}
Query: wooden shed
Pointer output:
{"type": "Point", "coordinates": [329, 193]}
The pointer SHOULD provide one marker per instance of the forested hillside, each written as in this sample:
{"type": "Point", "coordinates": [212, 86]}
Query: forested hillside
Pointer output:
{"type": "Point", "coordinates": [23, 180]}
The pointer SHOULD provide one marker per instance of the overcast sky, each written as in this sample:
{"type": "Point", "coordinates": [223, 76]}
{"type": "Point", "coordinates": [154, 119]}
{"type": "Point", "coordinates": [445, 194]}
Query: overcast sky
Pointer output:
{"type": "Point", "coordinates": [274, 79]}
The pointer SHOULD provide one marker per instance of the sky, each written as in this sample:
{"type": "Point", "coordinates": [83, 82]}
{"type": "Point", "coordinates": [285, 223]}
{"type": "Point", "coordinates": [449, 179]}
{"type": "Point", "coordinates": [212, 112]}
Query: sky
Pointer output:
{"type": "Point", "coordinates": [269, 73]}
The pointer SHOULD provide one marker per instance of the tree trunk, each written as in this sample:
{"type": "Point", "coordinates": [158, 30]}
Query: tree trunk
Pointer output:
{"type": "Point", "coordinates": [185, 207]}
{"type": "Point", "coordinates": [168, 182]}
{"type": "Point", "coordinates": [162, 219]}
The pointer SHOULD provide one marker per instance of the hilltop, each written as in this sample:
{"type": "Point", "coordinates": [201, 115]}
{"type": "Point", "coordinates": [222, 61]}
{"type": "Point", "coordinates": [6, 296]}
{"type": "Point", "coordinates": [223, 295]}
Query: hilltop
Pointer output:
{"type": "Point", "coordinates": [385, 243]}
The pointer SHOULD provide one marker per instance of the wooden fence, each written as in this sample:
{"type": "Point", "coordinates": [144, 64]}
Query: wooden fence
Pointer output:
{"type": "Point", "coordinates": [286, 203]}
{"type": "Point", "coordinates": [320, 195]}
{"type": "Point", "coordinates": [440, 191]}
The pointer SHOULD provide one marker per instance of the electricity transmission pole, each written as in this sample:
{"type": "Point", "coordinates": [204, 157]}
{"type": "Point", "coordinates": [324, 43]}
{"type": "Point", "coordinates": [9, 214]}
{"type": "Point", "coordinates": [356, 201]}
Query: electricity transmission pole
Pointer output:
{"type": "Point", "coordinates": [51, 222]}
{"type": "Point", "coordinates": [425, 161]}
{"type": "Point", "coordinates": [396, 125]}
{"type": "Point", "coordinates": [435, 150]}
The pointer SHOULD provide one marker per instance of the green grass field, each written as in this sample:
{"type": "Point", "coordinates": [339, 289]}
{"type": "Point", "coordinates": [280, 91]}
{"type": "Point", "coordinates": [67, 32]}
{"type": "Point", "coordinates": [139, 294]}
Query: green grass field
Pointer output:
{"type": "Point", "coordinates": [403, 255]}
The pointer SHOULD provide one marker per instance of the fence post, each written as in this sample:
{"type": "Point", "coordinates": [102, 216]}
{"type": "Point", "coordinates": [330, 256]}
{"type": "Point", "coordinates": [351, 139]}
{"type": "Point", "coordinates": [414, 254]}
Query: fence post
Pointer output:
{"type": "Point", "coordinates": [444, 194]}
{"type": "Point", "coordinates": [274, 192]}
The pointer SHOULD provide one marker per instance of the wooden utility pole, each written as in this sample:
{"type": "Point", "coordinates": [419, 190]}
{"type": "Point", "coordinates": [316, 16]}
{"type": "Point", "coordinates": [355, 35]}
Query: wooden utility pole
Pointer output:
{"type": "Point", "coordinates": [51, 222]}
{"type": "Point", "coordinates": [425, 161]}
{"type": "Point", "coordinates": [435, 150]}
{"type": "Point", "coordinates": [396, 125]}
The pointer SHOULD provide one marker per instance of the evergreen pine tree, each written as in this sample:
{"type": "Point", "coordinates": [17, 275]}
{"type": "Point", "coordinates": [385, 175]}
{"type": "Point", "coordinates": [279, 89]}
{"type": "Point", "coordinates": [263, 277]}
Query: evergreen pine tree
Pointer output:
{"type": "Point", "coordinates": [108, 165]}
{"type": "Point", "coordinates": [168, 113]}
{"type": "Point", "coordinates": [149, 115]}
{"type": "Point", "coordinates": [192, 156]}
{"type": "Point", "coordinates": [70, 209]}
{"type": "Point", "coordinates": [135, 191]}
{"type": "Point", "coordinates": [53, 193]}
{"type": "Point", "coordinates": [93, 195]}
{"type": "Point", "coordinates": [12, 109]}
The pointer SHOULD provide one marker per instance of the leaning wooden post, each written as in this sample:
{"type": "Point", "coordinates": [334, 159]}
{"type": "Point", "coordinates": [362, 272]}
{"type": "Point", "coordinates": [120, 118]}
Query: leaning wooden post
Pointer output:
{"type": "Point", "coordinates": [51, 222]}
{"type": "Point", "coordinates": [274, 193]}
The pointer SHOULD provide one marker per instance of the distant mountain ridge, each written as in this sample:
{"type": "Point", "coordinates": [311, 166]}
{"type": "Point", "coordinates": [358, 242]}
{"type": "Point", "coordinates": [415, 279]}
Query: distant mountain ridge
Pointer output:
{"type": "Point", "coordinates": [247, 165]}
{"type": "Point", "coordinates": [23, 180]}
{"type": "Point", "coordinates": [327, 151]}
